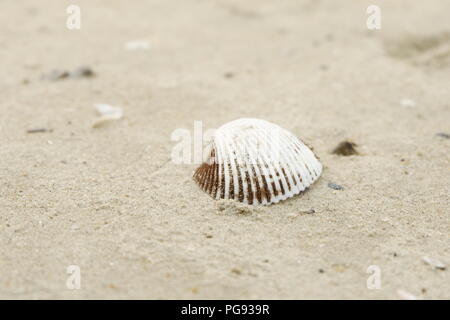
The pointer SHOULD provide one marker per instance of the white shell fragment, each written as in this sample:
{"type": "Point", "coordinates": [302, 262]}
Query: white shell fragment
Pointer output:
{"type": "Point", "coordinates": [137, 45]}
{"type": "Point", "coordinates": [256, 162]}
{"type": "Point", "coordinates": [405, 295]}
{"type": "Point", "coordinates": [107, 113]}
{"type": "Point", "coordinates": [408, 103]}
{"type": "Point", "coordinates": [436, 264]}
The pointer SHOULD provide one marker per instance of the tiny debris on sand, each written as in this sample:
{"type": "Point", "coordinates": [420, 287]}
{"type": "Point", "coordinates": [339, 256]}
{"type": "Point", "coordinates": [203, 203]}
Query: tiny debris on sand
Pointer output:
{"type": "Point", "coordinates": [81, 72]}
{"type": "Point", "coordinates": [228, 75]}
{"type": "Point", "coordinates": [234, 207]}
{"type": "Point", "coordinates": [107, 113]}
{"type": "Point", "coordinates": [436, 264]}
{"type": "Point", "coordinates": [405, 295]}
{"type": "Point", "coordinates": [443, 135]}
{"type": "Point", "coordinates": [236, 271]}
{"type": "Point", "coordinates": [340, 267]}
{"type": "Point", "coordinates": [301, 212]}
{"type": "Point", "coordinates": [335, 186]}
{"type": "Point", "coordinates": [37, 130]}
{"type": "Point", "coordinates": [56, 75]}
{"type": "Point", "coordinates": [137, 45]}
{"type": "Point", "coordinates": [346, 148]}
{"type": "Point", "coordinates": [408, 103]}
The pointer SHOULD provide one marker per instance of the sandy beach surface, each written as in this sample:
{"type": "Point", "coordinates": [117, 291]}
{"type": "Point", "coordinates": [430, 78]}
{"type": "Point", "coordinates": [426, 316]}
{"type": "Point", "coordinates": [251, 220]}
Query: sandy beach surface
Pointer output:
{"type": "Point", "coordinates": [109, 200]}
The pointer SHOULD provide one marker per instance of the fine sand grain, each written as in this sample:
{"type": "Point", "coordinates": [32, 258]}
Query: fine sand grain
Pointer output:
{"type": "Point", "coordinates": [110, 201]}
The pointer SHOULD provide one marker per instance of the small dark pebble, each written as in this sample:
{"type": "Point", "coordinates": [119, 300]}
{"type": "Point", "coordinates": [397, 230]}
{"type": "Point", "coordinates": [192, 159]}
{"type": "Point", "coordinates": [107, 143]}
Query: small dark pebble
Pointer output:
{"type": "Point", "coordinates": [56, 75]}
{"type": "Point", "coordinates": [82, 72]}
{"type": "Point", "coordinates": [37, 130]}
{"type": "Point", "coordinates": [321, 271]}
{"type": "Point", "coordinates": [443, 135]}
{"type": "Point", "coordinates": [335, 186]}
{"type": "Point", "coordinates": [229, 75]}
{"type": "Point", "coordinates": [310, 211]}
{"type": "Point", "coordinates": [236, 271]}
{"type": "Point", "coordinates": [346, 148]}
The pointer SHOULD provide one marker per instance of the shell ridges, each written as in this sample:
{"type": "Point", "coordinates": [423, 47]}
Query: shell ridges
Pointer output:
{"type": "Point", "coordinates": [256, 162]}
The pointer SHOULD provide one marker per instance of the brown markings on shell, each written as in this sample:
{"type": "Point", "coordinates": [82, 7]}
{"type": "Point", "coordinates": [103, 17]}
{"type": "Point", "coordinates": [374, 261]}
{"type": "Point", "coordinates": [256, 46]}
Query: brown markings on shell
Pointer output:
{"type": "Point", "coordinates": [222, 183]}
{"type": "Point", "coordinates": [280, 182]}
{"type": "Point", "coordinates": [215, 182]}
{"type": "Point", "coordinates": [199, 174]}
{"type": "Point", "coordinates": [275, 191]}
{"type": "Point", "coordinates": [287, 179]}
{"type": "Point", "coordinates": [249, 188]}
{"type": "Point", "coordinates": [265, 193]}
{"type": "Point", "coordinates": [240, 183]}
{"type": "Point", "coordinates": [207, 176]}
{"type": "Point", "coordinates": [294, 180]}
{"type": "Point", "coordinates": [257, 186]}
{"type": "Point", "coordinates": [213, 172]}
{"type": "Point", "coordinates": [210, 178]}
{"type": "Point", "coordinates": [272, 183]}
{"type": "Point", "coordinates": [231, 188]}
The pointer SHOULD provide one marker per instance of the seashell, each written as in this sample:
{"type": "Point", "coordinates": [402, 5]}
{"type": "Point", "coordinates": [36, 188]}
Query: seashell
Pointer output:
{"type": "Point", "coordinates": [107, 113]}
{"type": "Point", "coordinates": [256, 162]}
{"type": "Point", "coordinates": [436, 264]}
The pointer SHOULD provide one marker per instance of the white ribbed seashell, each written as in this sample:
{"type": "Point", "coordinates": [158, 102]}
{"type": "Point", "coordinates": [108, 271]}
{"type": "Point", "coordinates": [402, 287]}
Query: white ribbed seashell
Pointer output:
{"type": "Point", "coordinates": [256, 162]}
